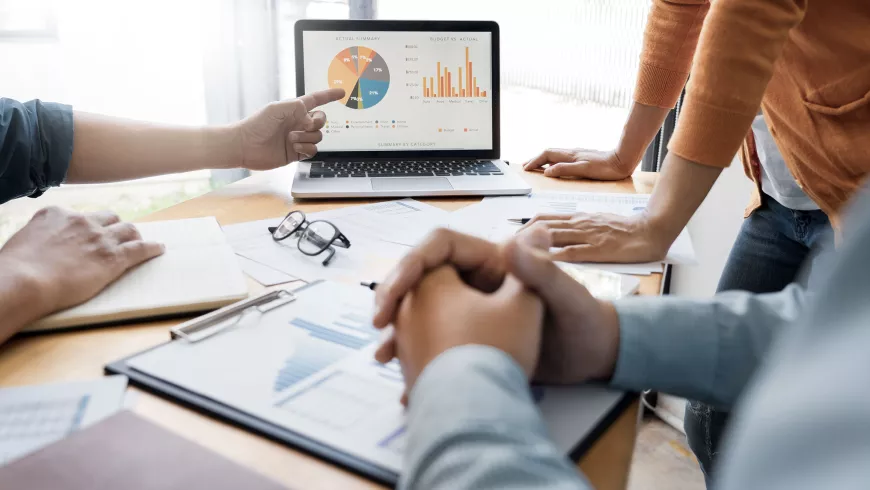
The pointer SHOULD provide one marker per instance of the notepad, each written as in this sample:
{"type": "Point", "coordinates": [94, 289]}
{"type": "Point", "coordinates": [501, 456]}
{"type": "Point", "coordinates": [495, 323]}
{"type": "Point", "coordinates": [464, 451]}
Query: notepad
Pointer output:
{"type": "Point", "coordinates": [197, 272]}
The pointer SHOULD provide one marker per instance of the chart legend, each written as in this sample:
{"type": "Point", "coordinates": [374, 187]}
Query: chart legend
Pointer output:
{"type": "Point", "coordinates": [363, 74]}
{"type": "Point", "coordinates": [446, 84]}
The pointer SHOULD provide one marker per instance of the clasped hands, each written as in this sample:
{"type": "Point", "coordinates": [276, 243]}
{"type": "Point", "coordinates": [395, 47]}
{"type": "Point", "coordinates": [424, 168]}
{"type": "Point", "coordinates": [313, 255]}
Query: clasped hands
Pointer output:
{"type": "Point", "coordinates": [456, 289]}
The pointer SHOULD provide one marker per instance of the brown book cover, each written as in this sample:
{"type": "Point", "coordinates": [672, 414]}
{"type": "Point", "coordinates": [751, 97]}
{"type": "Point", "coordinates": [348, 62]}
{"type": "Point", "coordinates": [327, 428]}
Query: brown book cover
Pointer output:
{"type": "Point", "coordinates": [127, 452]}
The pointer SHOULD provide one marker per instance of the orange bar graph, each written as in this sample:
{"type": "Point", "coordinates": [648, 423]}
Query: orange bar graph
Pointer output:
{"type": "Point", "coordinates": [440, 82]}
{"type": "Point", "coordinates": [470, 79]}
{"type": "Point", "coordinates": [467, 73]}
{"type": "Point", "coordinates": [449, 84]}
{"type": "Point", "coordinates": [462, 83]}
{"type": "Point", "coordinates": [459, 81]}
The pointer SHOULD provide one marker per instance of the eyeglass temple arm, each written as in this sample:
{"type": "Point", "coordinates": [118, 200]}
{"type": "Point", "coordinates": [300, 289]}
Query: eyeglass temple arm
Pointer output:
{"type": "Point", "coordinates": [329, 257]}
{"type": "Point", "coordinates": [342, 241]}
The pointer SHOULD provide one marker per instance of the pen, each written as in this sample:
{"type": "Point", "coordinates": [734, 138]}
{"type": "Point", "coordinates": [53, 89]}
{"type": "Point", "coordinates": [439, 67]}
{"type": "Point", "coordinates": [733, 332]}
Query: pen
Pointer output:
{"type": "Point", "coordinates": [519, 221]}
{"type": "Point", "coordinates": [370, 285]}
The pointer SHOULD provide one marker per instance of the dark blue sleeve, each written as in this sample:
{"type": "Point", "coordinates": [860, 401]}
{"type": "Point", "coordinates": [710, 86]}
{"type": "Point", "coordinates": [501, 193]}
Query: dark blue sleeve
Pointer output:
{"type": "Point", "coordinates": [36, 141]}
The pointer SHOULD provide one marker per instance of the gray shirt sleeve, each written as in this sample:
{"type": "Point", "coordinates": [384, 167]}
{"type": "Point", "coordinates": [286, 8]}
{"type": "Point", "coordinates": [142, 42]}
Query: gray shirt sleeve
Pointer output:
{"type": "Point", "coordinates": [472, 424]}
{"type": "Point", "coordinates": [36, 141]}
{"type": "Point", "coordinates": [700, 349]}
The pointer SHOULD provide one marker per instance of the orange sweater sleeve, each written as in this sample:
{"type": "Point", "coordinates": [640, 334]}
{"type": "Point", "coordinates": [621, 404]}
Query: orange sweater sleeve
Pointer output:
{"type": "Point", "coordinates": [740, 42]}
{"type": "Point", "coordinates": [669, 42]}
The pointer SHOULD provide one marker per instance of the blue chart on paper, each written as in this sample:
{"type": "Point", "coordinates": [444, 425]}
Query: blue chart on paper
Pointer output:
{"type": "Point", "coordinates": [306, 361]}
{"type": "Point", "coordinates": [350, 331]}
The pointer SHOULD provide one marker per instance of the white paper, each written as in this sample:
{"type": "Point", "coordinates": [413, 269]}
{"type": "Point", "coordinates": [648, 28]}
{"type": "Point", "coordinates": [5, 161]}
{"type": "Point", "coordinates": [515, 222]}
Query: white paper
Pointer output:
{"type": "Point", "coordinates": [489, 219]}
{"type": "Point", "coordinates": [404, 222]}
{"type": "Point", "coordinates": [265, 275]}
{"type": "Point", "coordinates": [32, 417]}
{"type": "Point", "coordinates": [380, 234]}
{"type": "Point", "coordinates": [365, 260]}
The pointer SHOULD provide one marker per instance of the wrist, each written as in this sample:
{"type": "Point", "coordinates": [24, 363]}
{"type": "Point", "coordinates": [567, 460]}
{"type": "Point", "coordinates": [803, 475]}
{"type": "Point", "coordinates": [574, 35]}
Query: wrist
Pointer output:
{"type": "Point", "coordinates": [659, 232]}
{"type": "Point", "coordinates": [24, 297]}
{"type": "Point", "coordinates": [610, 341]}
{"type": "Point", "coordinates": [224, 146]}
{"type": "Point", "coordinates": [624, 161]}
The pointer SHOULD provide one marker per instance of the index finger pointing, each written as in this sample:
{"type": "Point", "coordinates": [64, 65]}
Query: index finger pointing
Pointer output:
{"type": "Point", "coordinates": [316, 99]}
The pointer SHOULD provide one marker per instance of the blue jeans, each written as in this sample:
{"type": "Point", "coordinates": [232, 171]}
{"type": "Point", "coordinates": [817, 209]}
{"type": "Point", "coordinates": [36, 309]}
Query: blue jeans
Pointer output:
{"type": "Point", "coordinates": [768, 254]}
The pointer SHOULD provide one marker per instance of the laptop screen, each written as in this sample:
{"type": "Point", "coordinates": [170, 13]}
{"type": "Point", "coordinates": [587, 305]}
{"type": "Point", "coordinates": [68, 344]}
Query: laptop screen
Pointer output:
{"type": "Point", "coordinates": [404, 91]}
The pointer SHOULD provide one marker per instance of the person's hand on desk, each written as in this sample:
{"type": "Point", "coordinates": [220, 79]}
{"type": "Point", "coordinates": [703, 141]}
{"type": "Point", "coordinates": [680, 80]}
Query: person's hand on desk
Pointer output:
{"type": "Point", "coordinates": [62, 258]}
{"type": "Point", "coordinates": [600, 237]}
{"type": "Point", "coordinates": [580, 335]}
{"type": "Point", "coordinates": [581, 164]}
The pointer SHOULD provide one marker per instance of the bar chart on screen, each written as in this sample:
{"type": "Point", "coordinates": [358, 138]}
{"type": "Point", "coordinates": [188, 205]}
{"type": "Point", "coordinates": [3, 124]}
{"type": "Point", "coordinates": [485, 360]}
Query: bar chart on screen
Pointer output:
{"type": "Point", "coordinates": [461, 83]}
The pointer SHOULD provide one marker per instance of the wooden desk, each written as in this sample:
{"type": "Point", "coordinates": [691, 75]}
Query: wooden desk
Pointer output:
{"type": "Point", "coordinates": [82, 354]}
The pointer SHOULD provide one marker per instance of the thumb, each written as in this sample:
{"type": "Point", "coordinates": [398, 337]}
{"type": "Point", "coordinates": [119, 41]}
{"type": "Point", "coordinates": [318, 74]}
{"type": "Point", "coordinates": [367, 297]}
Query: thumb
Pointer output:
{"type": "Point", "coordinates": [314, 121]}
{"type": "Point", "coordinates": [567, 169]}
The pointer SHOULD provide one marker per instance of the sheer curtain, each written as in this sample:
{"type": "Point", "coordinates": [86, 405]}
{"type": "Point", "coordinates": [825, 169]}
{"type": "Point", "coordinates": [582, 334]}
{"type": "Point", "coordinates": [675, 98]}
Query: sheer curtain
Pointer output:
{"type": "Point", "coordinates": [240, 63]}
{"type": "Point", "coordinates": [567, 66]}
{"type": "Point", "coordinates": [141, 60]}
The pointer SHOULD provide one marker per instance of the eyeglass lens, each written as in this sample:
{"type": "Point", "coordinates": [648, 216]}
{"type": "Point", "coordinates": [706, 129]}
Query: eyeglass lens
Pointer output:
{"type": "Point", "coordinates": [288, 225]}
{"type": "Point", "coordinates": [317, 237]}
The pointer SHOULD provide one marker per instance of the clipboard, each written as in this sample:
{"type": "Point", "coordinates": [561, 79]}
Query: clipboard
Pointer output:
{"type": "Point", "coordinates": [209, 325]}
{"type": "Point", "coordinates": [199, 329]}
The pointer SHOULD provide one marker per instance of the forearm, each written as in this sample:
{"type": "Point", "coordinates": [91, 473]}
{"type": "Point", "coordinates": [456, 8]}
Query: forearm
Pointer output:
{"type": "Point", "coordinates": [109, 149]}
{"type": "Point", "coordinates": [704, 350]}
{"type": "Point", "coordinates": [472, 424]}
{"type": "Point", "coordinates": [642, 125]}
{"type": "Point", "coordinates": [679, 191]}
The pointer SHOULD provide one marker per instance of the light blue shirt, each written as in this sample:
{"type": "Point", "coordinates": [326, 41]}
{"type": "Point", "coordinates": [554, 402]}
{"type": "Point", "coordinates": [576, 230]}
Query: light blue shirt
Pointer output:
{"type": "Point", "coordinates": [777, 180]}
{"type": "Point", "coordinates": [796, 364]}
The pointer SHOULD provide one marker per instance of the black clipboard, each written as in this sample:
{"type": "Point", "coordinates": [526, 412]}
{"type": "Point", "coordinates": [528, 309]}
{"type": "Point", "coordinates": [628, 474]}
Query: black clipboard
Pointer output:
{"type": "Point", "coordinates": [293, 439]}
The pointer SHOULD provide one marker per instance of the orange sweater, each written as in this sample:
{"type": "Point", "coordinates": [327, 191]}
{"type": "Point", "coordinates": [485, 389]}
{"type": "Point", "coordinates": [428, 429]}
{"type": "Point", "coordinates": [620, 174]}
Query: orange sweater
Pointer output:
{"type": "Point", "coordinates": [806, 63]}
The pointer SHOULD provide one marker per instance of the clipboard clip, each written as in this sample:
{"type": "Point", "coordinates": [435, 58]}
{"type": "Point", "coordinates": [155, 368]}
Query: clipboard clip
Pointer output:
{"type": "Point", "coordinates": [229, 316]}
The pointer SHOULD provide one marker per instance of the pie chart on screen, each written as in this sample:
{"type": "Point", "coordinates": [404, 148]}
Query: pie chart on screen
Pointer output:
{"type": "Point", "coordinates": [363, 74]}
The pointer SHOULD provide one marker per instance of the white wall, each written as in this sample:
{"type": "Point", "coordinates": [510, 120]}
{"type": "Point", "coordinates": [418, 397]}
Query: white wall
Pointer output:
{"type": "Point", "coordinates": [713, 229]}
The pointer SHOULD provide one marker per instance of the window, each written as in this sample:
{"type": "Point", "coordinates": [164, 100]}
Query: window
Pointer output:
{"type": "Point", "coordinates": [568, 67]}
{"type": "Point", "coordinates": [141, 60]}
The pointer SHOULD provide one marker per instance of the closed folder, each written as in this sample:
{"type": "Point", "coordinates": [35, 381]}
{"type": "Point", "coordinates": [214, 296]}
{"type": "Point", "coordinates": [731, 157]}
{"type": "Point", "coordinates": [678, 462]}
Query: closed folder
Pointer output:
{"type": "Point", "coordinates": [127, 452]}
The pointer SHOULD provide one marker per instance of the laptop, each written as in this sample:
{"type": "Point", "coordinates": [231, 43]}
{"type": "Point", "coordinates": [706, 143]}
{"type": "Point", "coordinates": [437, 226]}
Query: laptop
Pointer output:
{"type": "Point", "coordinates": [420, 116]}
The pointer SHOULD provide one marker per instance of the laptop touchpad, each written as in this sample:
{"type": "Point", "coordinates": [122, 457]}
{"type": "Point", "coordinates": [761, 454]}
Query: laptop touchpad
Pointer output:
{"type": "Point", "coordinates": [411, 184]}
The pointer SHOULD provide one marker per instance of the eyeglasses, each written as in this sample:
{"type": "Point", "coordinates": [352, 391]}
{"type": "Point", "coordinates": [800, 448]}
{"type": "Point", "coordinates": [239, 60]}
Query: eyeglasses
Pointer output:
{"type": "Point", "coordinates": [315, 237]}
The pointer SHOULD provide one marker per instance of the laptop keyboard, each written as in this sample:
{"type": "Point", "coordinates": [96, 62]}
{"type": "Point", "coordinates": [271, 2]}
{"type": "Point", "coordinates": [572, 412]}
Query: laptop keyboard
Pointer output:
{"type": "Point", "coordinates": [402, 168]}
